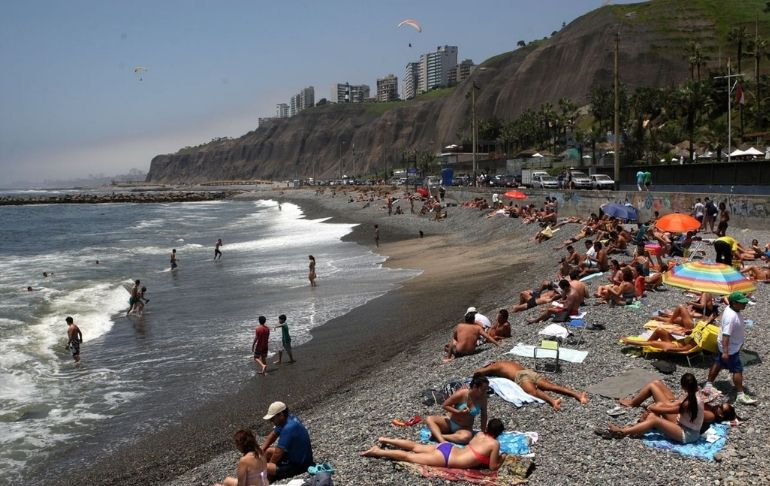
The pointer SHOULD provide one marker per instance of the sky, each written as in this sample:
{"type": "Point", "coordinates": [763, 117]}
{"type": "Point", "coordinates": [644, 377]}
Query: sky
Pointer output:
{"type": "Point", "coordinates": [71, 104]}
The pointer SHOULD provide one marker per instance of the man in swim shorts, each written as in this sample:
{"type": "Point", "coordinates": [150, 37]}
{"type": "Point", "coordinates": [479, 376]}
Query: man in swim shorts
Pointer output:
{"type": "Point", "coordinates": [531, 382]}
{"type": "Point", "coordinates": [465, 337]}
{"type": "Point", "coordinates": [217, 251]}
{"type": "Point", "coordinates": [134, 298]}
{"type": "Point", "coordinates": [260, 344]}
{"type": "Point", "coordinates": [569, 307]}
{"type": "Point", "coordinates": [74, 338]}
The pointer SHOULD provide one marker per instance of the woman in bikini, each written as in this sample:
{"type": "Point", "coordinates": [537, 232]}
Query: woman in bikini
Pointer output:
{"type": "Point", "coordinates": [680, 420]}
{"type": "Point", "coordinates": [482, 452]}
{"type": "Point", "coordinates": [311, 272]}
{"type": "Point", "coordinates": [252, 468]}
{"type": "Point", "coordinates": [463, 407]}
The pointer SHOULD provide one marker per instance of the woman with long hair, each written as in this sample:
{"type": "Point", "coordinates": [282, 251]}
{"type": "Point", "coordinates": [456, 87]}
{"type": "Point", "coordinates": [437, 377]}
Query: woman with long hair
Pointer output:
{"type": "Point", "coordinates": [679, 419]}
{"type": "Point", "coordinates": [252, 467]}
{"type": "Point", "coordinates": [311, 274]}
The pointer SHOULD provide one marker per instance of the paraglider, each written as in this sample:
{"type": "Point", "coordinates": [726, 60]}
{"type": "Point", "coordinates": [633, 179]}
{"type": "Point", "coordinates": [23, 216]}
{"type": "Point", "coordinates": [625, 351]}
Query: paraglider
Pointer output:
{"type": "Point", "coordinates": [139, 70]}
{"type": "Point", "coordinates": [411, 23]}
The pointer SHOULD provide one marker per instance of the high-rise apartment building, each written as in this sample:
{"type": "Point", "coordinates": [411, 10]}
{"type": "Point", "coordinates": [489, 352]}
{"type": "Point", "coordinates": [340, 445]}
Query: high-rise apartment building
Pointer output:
{"type": "Point", "coordinates": [435, 68]}
{"type": "Point", "coordinates": [387, 88]}
{"type": "Point", "coordinates": [463, 71]}
{"type": "Point", "coordinates": [301, 101]}
{"type": "Point", "coordinates": [349, 93]}
{"type": "Point", "coordinates": [411, 80]}
{"type": "Point", "coordinates": [282, 110]}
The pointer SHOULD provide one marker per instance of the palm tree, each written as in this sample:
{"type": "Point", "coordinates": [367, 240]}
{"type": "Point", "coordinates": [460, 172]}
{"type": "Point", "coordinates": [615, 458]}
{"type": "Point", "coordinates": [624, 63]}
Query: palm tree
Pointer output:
{"type": "Point", "coordinates": [737, 36]}
{"type": "Point", "coordinates": [758, 47]}
{"type": "Point", "coordinates": [696, 59]}
{"type": "Point", "coordinates": [689, 103]}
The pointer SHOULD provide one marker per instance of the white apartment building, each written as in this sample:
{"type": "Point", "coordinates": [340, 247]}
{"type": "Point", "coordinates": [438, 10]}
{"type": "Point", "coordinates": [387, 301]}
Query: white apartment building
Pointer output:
{"type": "Point", "coordinates": [387, 88]}
{"type": "Point", "coordinates": [349, 93]}
{"type": "Point", "coordinates": [435, 68]}
{"type": "Point", "coordinates": [282, 110]}
{"type": "Point", "coordinates": [411, 80]}
{"type": "Point", "coordinates": [301, 101]}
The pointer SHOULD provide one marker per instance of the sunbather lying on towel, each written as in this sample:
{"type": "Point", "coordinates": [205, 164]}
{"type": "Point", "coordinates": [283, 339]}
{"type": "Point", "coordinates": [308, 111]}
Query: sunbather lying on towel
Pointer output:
{"type": "Point", "coordinates": [681, 420]}
{"type": "Point", "coordinates": [570, 305]}
{"type": "Point", "coordinates": [683, 316]}
{"type": "Point", "coordinates": [662, 339]}
{"type": "Point", "coordinates": [463, 406]}
{"type": "Point", "coordinates": [531, 382]}
{"type": "Point", "coordinates": [483, 451]}
{"type": "Point", "coordinates": [533, 298]}
{"type": "Point", "coordinates": [761, 274]}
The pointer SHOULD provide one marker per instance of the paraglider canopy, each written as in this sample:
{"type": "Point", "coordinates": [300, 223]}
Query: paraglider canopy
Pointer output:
{"type": "Point", "coordinates": [139, 70]}
{"type": "Point", "coordinates": [411, 23]}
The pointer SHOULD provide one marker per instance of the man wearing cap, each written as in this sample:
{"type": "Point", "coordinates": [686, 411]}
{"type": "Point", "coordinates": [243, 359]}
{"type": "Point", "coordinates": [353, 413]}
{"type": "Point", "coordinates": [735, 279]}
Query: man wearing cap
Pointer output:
{"type": "Point", "coordinates": [293, 454]}
{"type": "Point", "coordinates": [730, 342]}
{"type": "Point", "coordinates": [482, 321]}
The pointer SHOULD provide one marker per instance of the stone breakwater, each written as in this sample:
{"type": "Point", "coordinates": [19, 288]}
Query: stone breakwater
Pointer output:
{"type": "Point", "coordinates": [118, 197]}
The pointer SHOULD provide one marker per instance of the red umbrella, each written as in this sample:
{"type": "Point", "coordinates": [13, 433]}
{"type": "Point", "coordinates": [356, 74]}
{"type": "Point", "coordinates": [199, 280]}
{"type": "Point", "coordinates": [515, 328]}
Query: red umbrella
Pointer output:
{"type": "Point", "coordinates": [515, 195]}
{"type": "Point", "coordinates": [423, 192]}
{"type": "Point", "coordinates": [677, 223]}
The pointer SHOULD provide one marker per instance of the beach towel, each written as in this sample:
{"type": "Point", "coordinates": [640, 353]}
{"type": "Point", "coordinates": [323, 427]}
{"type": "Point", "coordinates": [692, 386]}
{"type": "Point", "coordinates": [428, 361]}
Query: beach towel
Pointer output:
{"type": "Point", "coordinates": [514, 470]}
{"type": "Point", "coordinates": [511, 392]}
{"type": "Point", "coordinates": [710, 442]}
{"type": "Point", "coordinates": [554, 330]}
{"type": "Point", "coordinates": [565, 354]}
{"type": "Point", "coordinates": [516, 443]}
{"type": "Point", "coordinates": [624, 384]}
{"type": "Point", "coordinates": [591, 276]}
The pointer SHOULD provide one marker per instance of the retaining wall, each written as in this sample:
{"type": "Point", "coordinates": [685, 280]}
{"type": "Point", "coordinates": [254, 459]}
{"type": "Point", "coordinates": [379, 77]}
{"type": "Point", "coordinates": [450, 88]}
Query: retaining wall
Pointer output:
{"type": "Point", "coordinates": [746, 211]}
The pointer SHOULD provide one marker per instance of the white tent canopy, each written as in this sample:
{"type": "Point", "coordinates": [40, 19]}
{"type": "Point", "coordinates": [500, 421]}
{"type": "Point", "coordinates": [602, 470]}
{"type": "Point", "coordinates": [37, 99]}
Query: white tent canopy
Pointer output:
{"type": "Point", "coordinates": [752, 151]}
{"type": "Point", "coordinates": [537, 154]}
{"type": "Point", "coordinates": [737, 153]}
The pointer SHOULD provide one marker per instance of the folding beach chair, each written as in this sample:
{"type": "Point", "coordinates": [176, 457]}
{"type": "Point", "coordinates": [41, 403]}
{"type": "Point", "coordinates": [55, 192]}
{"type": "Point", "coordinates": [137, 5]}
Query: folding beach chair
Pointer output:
{"type": "Point", "coordinates": [577, 327]}
{"type": "Point", "coordinates": [547, 346]}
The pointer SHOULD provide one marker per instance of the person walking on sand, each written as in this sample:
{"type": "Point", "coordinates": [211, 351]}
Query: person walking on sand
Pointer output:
{"type": "Point", "coordinates": [377, 235]}
{"type": "Point", "coordinates": [134, 298]}
{"type": "Point", "coordinates": [311, 270]}
{"type": "Point", "coordinates": [217, 251]}
{"type": "Point", "coordinates": [74, 338]}
{"type": "Point", "coordinates": [285, 339]}
{"type": "Point", "coordinates": [173, 259]}
{"type": "Point", "coordinates": [259, 346]}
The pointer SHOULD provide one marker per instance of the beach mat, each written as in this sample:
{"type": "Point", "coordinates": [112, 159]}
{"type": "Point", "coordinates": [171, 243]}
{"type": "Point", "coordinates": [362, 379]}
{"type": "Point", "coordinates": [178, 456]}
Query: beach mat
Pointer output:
{"type": "Point", "coordinates": [624, 384]}
{"type": "Point", "coordinates": [514, 443]}
{"type": "Point", "coordinates": [703, 449]}
{"type": "Point", "coordinates": [565, 354]}
{"type": "Point", "coordinates": [514, 470]}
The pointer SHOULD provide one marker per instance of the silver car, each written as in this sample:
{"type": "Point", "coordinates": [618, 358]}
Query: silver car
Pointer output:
{"type": "Point", "coordinates": [602, 181]}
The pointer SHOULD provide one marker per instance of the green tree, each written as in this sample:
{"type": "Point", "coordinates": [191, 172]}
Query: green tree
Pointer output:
{"type": "Point", "coordinates": [758, 48]}
{"type": "Point", "coordinates": [737, 37]}
{"type": "Point", "coordinates": [521, 43]}
{"type": "Point", "coordinates": [689, 102]}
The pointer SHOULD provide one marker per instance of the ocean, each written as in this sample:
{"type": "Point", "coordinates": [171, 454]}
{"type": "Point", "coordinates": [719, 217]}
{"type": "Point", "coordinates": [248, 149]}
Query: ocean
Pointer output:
{"type": "Point", "coordinates": [192, 342]}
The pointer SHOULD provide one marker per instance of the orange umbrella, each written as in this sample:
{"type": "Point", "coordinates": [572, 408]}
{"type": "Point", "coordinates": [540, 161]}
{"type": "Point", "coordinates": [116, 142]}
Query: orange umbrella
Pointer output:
{"type": "Point", "coordinates": [515, 195]}
{"type": "Point", "coordinates": [677, 223]}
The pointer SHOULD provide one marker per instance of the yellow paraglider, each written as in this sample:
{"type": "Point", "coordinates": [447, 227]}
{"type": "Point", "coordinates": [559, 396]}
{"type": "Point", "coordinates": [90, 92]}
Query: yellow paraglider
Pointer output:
{"type": "Point", "coordinates": [139, 71]}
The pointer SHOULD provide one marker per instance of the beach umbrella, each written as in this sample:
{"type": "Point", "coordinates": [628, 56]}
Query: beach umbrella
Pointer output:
{"type": "Point", "coordinates": [620, 211]}
{"type": "Point", "coordinates": [715, 278]}
{"type": "Point", "coordinates": [515, 195]}
{"type": "Point", "coordinates": [423, 192]}
{"type": "Point", "coordinates": [677, 223]}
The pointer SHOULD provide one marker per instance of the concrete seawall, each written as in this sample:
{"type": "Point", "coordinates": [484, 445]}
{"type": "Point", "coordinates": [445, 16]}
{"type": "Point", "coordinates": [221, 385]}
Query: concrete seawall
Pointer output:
{"type": "Point", "coordinates": [746, 211]}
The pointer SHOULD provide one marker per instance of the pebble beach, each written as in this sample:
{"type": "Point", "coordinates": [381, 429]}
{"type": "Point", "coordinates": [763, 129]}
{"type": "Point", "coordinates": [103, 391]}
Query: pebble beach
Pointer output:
{"type": "Point", "coordinates": [347, 387]}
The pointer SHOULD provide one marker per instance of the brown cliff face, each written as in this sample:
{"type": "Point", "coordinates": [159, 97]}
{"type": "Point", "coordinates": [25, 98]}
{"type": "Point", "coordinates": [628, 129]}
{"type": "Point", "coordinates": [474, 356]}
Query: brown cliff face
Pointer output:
{"type": "Point", "coordinates": [366, 139]}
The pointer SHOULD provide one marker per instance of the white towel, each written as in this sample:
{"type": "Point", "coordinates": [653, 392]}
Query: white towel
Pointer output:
{"type": "Point", "coordinates": [565, 354]}
{"type": "Point", "coordinates": [554, 330]}
{"type": "Point", "coordinates": [511, 392]}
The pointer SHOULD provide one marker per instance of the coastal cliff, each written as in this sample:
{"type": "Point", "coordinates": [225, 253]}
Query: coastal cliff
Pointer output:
{"type": "Point", "coordinates": [326, 141]}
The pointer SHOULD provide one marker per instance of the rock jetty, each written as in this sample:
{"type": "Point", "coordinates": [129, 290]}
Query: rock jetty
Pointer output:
{"type": "Point", "coordinates": [118, 197]}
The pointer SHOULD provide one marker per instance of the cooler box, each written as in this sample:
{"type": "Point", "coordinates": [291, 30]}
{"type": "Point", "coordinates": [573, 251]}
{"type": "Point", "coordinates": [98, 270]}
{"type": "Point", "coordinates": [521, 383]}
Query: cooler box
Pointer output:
{"type": "Point", "coordinates": [705, 335]}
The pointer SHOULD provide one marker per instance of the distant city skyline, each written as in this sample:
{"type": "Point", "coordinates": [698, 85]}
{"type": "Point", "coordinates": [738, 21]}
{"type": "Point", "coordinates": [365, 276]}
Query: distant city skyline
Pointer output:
{"type": "Point", "coordinates": [71, 103]}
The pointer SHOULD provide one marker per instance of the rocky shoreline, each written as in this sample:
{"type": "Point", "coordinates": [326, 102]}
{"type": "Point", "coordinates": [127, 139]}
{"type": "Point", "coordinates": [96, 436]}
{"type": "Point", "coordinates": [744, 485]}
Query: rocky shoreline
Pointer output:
{"type": "Point", "coordinates": [118, 197]}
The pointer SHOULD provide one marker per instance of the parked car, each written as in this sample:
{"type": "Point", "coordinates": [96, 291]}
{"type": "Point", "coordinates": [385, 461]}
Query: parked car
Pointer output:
{"type": "Point", "coordinates": [602, 181]}
{"type": "Point", "coordinates": [579, 179]}
{"type": "Point", "coordinates": [545, 181]}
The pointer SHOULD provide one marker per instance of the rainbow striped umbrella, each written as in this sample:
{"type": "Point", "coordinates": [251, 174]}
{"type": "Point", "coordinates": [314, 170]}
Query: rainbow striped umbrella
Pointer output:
{"type": "Point", "coordinates": [715, 278]}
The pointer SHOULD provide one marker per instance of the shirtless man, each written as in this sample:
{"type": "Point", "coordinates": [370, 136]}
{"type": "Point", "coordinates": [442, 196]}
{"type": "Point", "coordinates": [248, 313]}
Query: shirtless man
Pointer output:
{"type": "Point", "coordinates": [577, 285]}
{"type": "Point", "coordinates": [531, 382]}
{"type": "Point", "coordinates": [571, 306]}
{"type": "Point", "coordinates": [501, 328]}
{"type": "Point", "coordinates": [74, 338]}
{"type": "Point", "coordinates": [218, 252]}
{"type": "Point", "coordinates": [173, 259]}
{"type": "Point", "coordinates": [464, 338]}
{"type": "Point", "coordinates": [757, 273]}
{"type": "Point", "coordinates": [134, 299]}
{"type": "Point", "coordinates": [533, 298]}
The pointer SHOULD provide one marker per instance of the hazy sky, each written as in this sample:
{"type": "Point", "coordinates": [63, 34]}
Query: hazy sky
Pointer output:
{"type": "Point", "coordinates": [71, 105]}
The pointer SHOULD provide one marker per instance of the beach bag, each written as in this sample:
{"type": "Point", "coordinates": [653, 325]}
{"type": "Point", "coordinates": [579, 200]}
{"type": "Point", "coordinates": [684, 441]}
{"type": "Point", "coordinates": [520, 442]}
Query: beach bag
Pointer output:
{"type": "Point", "coordinates": [430, 397]}
{"type": "Point", "coordinates": [705, 336]}
{"type": "Point", "coordinates": [451, 387]}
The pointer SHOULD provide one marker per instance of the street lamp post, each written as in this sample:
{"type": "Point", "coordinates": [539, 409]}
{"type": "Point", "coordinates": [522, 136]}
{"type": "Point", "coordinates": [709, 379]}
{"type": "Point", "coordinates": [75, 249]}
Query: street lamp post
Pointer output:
{"type": "Point", "coordinates": [340, 156]}
{"type": "Point", "coordinates": [730, 87]}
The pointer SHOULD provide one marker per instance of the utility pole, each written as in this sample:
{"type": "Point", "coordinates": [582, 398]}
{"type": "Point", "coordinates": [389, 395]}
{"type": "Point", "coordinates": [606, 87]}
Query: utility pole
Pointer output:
{"type": "Point", "coordinates": [730, 87]}
{"type": "Point", "coordinates": [340, 156]}
{"type": "Point", "coordinates": [617, 113]}
{"type": "Point", "coordinates": [473, 130]}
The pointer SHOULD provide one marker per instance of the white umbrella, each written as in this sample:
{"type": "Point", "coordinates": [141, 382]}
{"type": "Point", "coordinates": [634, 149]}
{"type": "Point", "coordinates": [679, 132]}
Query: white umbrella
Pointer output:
{"type": "Point", "coordinates": [537, 154]}
{"type": "Point", "coordinates": [752, 151]}
{"type": "Point", "coordinates": [737, 153]}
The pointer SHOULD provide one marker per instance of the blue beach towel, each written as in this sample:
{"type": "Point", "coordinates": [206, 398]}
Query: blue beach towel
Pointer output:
{"type": "Point", "coordinates": [513, 443]}
{"type": "Point", "coordinates": [701, 449]}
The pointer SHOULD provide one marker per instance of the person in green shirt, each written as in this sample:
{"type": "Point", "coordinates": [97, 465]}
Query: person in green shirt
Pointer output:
{"type": "Point", "coordinates": [647, 180]}
{"type": "Point", "coordinates": [285, 339]}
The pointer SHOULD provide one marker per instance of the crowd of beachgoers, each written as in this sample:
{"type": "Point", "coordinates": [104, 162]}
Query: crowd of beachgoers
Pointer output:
{"type": "Point", "coordinates": [596, 286]}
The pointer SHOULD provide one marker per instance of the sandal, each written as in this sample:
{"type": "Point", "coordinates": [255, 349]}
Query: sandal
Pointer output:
{"type": "Point", "coordinates": [614, 412]}
{"type": "Point", "coordinates": [399, 423]}
{"type": "Point", "coordinates": [414, 420]}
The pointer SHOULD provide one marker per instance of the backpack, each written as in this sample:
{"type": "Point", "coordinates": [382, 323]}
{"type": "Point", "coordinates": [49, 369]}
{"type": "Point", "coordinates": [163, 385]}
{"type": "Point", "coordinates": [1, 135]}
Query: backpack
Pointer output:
{"type": "Point", "coordinates": [711, 208]}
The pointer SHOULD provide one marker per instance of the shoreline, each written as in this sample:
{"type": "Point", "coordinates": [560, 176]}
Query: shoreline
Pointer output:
{"type": "Point", "coordinates": [401, 322]}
